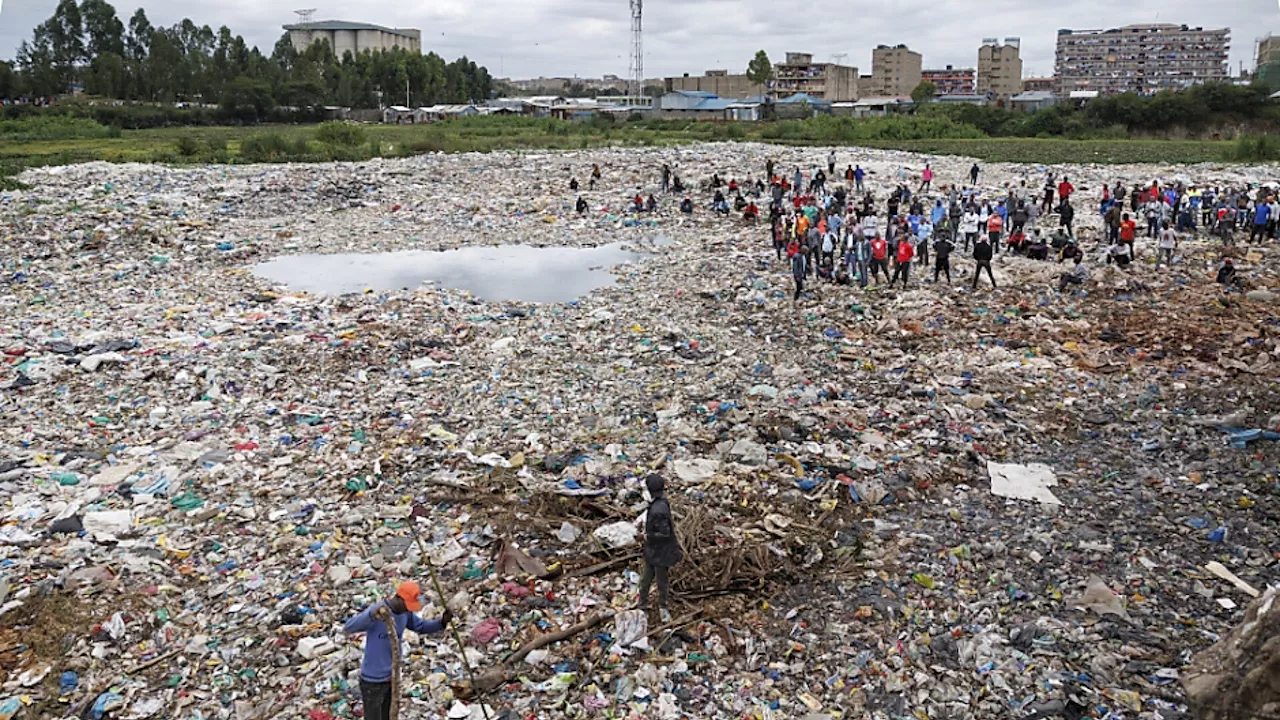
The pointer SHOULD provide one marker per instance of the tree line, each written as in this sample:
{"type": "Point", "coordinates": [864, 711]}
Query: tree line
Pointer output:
{"type": "Point", "coordinates": [87, 44]}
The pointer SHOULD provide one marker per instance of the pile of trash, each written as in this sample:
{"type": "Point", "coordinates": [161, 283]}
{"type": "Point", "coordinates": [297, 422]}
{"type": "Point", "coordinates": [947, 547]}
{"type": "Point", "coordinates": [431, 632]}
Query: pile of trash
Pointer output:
{"type": "Point", "coordinates": [928, 503]}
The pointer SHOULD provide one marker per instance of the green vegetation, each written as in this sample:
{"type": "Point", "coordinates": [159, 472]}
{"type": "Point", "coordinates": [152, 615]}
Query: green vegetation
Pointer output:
{"type": "Point", "coordinates": [924, 91]}
{"type": "Point", "coordinates": [86, 43]}
{"type": "Point", "coordinates": [1256, 148]}
{"type": "Point", "coordinates": [54, 127]}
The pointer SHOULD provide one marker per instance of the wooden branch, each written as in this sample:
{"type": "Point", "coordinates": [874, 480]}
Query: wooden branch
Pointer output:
{"type": "Point", "coordinates": [606, 565]}
{"type": "Point", "coordinates": [496, 677]}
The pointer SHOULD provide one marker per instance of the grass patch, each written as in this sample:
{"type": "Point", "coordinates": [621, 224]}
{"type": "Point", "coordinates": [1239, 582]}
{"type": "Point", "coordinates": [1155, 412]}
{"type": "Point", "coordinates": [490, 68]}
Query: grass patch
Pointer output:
{"type": "Point", "coordinates": [54, 127]}
{"type": "Point", "coordinates": [1256, 148]}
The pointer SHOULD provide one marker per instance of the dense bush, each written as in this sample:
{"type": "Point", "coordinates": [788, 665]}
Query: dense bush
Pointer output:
{"type": "Point", "coordinates": [340, 134]}
{"type": "Point", "coordinates": [54, 127]}
{"type": "Point", "coordinates": [1256, 148]}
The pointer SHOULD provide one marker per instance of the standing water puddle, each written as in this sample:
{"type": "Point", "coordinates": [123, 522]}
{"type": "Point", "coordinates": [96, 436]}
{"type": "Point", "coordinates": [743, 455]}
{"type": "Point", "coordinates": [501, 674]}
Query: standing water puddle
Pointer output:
{"type": "Point", "coordinates": [507, 272]}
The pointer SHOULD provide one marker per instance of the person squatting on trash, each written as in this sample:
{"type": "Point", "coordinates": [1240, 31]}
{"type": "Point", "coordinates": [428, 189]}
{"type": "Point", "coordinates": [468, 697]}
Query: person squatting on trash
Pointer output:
{"type": "Point", "coordinates": [661, 547]}
{"type": "Point", "coordinates": [376, 667]}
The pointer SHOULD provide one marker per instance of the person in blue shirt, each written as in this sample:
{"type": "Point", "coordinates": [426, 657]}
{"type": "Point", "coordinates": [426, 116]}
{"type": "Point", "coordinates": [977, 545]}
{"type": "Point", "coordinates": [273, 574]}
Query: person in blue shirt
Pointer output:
{"type": "Point", "coordinates": [375, 668]}
{"type": "Point", "coordinates": [1002, 211]}
{"type": "Point", "coordinates": [1261, 214]}
{"type": "Point", "coordinates": [858, 175]}
{"type": "Point", "coordinates": [937, 214]}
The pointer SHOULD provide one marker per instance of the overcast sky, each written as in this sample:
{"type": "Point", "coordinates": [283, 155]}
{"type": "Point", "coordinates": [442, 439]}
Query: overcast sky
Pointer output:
{"type": "Point", "coordinates": [589, 38]}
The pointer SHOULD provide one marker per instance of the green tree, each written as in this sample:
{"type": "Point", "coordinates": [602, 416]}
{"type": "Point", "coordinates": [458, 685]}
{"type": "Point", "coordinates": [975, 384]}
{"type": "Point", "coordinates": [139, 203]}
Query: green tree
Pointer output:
{"type": "Point", "coordinates": [103, 29]}
{"type": "Point", "coordinates": [66, 31]}
{"type": "Point", "coordinates": [8, 81]}
{"type": "Point", "coordinates": [36, 59]}
{"type": "Point", "coordinates": [760, 70]}
{"type": "Point", "coordinates": [924, 92]}
{"type": "Point", "coordinates": [247, 99]}
{"type": "Point", "coordinates": [107, 76]}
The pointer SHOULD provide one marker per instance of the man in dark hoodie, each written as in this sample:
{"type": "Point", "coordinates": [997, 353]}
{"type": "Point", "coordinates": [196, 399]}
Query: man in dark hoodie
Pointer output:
{"type": "Point", "coordinates": [661, 548]}
{"type": "Point", "coordinates": [982, 255]}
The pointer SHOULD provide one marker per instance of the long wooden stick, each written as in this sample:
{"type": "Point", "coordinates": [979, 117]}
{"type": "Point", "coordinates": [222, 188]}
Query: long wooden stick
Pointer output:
{"type": "Point", "coordinates": [431, 568]}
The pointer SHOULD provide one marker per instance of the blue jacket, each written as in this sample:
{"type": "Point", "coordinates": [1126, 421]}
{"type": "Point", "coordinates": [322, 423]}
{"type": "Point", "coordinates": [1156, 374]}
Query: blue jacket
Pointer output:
{"type": "Point", "coordinates": [376, 666]}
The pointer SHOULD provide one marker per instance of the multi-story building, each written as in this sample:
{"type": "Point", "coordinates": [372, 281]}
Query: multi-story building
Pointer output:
{"type": "Point", "coordinates": [1140, 58]}
{"type": "Point", "coordinates": [1000, 68]}
{"type": "Point", "coordinates": [895, 71]}
{"type": "Point", "coordinates": [951, 81]}
{"type": "Point", "coordinates": [1037, 84]}
{"type": "Point", "coordinates": [798, 73]}
{"type": "Point", "coordinates": [345, 36]}
{"type": "Point", "coordinates": [717, 82]}
{"type": "Point", "coordinates": [1267, 70]}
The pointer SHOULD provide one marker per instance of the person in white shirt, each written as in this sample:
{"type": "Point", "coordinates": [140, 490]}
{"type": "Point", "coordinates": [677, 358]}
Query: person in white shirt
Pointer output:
{"type": "Point", "coordinates": [969, 227]}
{"type": "Point", "coordinates": [869, 226]}
{"type": "Point", "coordinates": [1119, 254]}
{"type": "Point", "coordinates": [1078, 275]}
{"type": "Point", "coordinates": [1168, 243]}
{"type": "Point", "coordinates": [1153, 217]}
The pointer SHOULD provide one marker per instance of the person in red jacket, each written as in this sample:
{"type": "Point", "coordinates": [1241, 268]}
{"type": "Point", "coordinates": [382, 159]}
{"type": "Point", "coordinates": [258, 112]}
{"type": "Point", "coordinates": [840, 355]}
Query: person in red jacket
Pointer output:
{"type": "Point", "coordinates": [1128, 231]}
{"type": "Point", "coordinates": [1065, 188]}
{"type": "Point", "coordinates": [995, 224]}
{"type": "Point", "coordinates": [906, 251]}
{"type": "Point", "coordinates": [879, 258]}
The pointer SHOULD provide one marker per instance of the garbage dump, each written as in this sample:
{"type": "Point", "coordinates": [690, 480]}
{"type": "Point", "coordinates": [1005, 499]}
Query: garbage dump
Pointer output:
{"type": "Point", "coordinates": [922, 502]}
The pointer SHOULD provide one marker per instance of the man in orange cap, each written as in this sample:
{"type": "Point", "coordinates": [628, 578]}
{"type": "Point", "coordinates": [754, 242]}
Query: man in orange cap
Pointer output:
{"type": "Point", "coordinates": [375, 669]}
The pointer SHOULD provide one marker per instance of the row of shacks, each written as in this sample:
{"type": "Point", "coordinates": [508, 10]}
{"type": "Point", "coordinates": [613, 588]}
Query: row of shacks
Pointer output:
{"type": "Point", "coordinates": [539, 107]}
{"type": "Point", "coordinates": [696, 105]}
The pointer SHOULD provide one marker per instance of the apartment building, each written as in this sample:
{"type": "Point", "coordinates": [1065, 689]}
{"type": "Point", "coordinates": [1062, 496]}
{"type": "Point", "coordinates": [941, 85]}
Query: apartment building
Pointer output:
{"type": "Point", "coordinates": [1038, 84]}
{"type": "Point", "coordinates": [1000, 68]}
{"type": "Point", "coordinates": [895, 70]}
{"type": "Point", "coordinates": [952, 81]}
{"type": "Point", "coordinates": [798, 73]}
{"type": "Point", "coordinates": [717, 82]}
{"type": "Point", "coordinates": [1140, 58]}
{"type": "Point", "coordinates": [1267, 70]}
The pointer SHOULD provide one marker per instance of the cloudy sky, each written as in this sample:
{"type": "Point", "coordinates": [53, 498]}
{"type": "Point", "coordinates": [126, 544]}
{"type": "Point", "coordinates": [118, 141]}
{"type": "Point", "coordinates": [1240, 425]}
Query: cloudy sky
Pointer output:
{"type": "Point", "coordinates": [588, 38]}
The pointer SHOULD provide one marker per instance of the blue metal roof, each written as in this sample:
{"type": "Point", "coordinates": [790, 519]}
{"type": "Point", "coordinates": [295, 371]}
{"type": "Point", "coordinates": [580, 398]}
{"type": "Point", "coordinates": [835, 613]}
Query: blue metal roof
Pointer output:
{"type": "Point", "coordinates": [804, 97]}
{"type": "Point", "coordinates": [714, 103]}
{"type": "Point", "coordinates": [694, 93]}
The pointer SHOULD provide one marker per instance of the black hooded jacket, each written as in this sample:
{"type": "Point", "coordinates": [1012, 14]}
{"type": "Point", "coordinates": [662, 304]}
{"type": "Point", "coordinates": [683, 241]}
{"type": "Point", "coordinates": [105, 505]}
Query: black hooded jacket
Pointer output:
{"type": "Point", "coordinates": [661, 548]}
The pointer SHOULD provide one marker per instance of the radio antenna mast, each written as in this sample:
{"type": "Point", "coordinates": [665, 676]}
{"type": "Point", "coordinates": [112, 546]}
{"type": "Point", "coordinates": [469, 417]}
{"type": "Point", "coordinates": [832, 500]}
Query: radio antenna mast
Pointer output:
{"type": "Point", "coordinates": [636, 81]}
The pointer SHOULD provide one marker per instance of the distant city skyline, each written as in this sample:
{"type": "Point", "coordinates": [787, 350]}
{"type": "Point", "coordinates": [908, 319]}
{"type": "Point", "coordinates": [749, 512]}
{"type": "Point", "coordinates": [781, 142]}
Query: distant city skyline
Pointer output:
{"type": "Point", "coordinates": [590, 38]}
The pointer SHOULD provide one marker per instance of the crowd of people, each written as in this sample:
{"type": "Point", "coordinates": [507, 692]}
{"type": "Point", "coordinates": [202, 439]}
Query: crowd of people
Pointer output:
{"type": "Point", "coordinates": [841, 233]}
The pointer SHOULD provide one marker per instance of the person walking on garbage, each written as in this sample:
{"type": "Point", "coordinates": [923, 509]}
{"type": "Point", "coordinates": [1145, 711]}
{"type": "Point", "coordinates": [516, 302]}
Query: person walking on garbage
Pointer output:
{"type": "Point", "coordinates": [858, 175]}
{"type": "Point", "coordinates": [906, 251]}
{"type": "Point", "coordinates": [798, 266]}
{"type": "Point", "coordinates": [973, 174]}
{"type": "Point", "coordinates": [831, 163]}
{"type": "Point", "coordinates": [661, 547]}
{"type": "Point", "coordinates": [982, 253]}
{"type": "Point", "coordinates": [1046, 204]}
{"type": "Point", "coordinates": [942, 257]}
{"type": "Point", "coordinates": [1167, 245]}
{"type": "Point", "coordinates": [666, 177]}
{"type": "Point", "coordinates": [1067, 217]}
{"type": "Point", "coordinates": [595, 177]}
{"type": "Point", "coordinates": [376, 667]}
{"type": "Point", "coordinates": [581, 206]}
